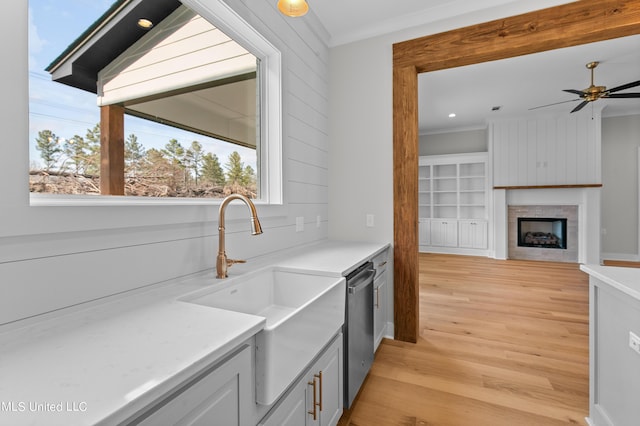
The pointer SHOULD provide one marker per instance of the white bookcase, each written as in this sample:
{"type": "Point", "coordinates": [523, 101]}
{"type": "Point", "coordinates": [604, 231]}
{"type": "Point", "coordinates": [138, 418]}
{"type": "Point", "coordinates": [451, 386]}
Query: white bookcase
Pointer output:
{"type": "Point", "coordinates": [453, 203]}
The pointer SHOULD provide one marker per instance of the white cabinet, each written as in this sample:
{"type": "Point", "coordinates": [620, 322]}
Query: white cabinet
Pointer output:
{"type": "Point", "coordinates": [222, 395]}
{"type": "Point", "coordinates": [424, 231]}
{"type": "Point", "coordinates": [380, 297]}
{"type": "Point", "coordinates": [444, 233]}
{"type": "Point", "coordinates": [553, 150]}
{"type": "Point", "coordinates": [316, 398]}
{"type": "Point", "coordinates": [453, 202]}
{"type": "Point", "coordinates": [472, 234]}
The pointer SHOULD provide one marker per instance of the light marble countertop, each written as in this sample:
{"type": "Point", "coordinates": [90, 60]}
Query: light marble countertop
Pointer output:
{"type": "Point", "coordinates": [107, 359]}
{"type": "Point", "coordinates": [626, 280]}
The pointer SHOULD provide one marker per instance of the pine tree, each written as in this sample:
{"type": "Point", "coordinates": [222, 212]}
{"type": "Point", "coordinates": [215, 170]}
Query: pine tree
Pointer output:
{"type": "Point", "coordinates": [50, 150]}
{"type": "Point", "coordinates": [235, 170]}
{"type": "Point", "coordinates": [158, 168]}
{"type": "Point", "coordinates": [212, 170]}
{"type": "Point", "coordinates": [77, 151]}
{"type": "Point", "coordinates": [176, 155]}
{"type": "Point", "coordinates": [174, 151]}
{"type": "Point", "coordinates": [134, 154]}
{"type": "Point", "coordinates": [92, 139]}
{"type": "Point", "coordinates": [193, 158]}
{"type": "Point", "coordinates": [250, 175]}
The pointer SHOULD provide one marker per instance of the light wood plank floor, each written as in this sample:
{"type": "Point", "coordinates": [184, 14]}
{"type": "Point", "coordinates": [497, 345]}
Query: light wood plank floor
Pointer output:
{"type": "Point", "coordinates": [502, 343]}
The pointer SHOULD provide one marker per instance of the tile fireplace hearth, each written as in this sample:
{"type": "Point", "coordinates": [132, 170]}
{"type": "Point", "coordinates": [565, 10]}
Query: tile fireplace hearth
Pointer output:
{"type": "Point", "coordinates": [543, 232]}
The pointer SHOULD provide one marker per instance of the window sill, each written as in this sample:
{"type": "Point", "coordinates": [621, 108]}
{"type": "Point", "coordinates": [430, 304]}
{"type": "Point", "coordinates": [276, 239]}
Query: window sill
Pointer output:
{"type": "Point", "coordinates": [56, 200]}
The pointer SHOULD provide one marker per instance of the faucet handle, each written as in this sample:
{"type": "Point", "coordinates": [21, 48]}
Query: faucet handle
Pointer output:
{"type": "Point", "coordinates": [234, 261]}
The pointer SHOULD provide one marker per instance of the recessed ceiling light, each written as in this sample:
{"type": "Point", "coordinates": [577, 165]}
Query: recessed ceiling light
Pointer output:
{"type": "Point", "coordinates": [453, 114]}
{"type": "Point", "coordinates": [145, 24]}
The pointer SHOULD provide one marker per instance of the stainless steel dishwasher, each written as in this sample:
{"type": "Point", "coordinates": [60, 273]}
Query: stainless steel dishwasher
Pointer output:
{"type": "Point", "coordinates": [358, 330]}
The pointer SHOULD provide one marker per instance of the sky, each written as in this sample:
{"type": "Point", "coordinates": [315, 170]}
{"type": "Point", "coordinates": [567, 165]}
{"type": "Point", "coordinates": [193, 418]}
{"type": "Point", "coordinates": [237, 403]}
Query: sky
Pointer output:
{"type": "Point", "coordinates": [67, 111]}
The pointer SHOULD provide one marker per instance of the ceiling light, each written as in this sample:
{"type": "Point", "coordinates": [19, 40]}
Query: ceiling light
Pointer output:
{"type": "Point", "coordinates": [453, 114]}
{"type": "Point", "coordinates": [145, 24]}
{"type": "Point", "coordinates": [293, 8]}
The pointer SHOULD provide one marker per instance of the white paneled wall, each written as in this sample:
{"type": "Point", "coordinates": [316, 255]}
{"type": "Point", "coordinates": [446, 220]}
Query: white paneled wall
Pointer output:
{"type": "Point", "coordinates": [53, 257]}
{"type": "Point", "coordinates": [539, 151]}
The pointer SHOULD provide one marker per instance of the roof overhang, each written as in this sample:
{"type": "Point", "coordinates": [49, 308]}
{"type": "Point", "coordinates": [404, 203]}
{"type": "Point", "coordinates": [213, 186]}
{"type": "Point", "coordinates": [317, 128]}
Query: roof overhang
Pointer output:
{"type": "Point", "coordinates": [115, 31]}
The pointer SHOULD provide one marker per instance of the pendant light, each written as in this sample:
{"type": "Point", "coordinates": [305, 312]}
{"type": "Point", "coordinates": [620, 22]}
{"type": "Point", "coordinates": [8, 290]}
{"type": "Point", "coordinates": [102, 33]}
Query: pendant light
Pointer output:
{"type": "Point", "coordinates": [293, 8]}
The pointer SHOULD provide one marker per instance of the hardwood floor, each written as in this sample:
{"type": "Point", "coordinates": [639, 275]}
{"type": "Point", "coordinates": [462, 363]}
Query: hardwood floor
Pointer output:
{"type": "Point", "coordinates": [502, 343]}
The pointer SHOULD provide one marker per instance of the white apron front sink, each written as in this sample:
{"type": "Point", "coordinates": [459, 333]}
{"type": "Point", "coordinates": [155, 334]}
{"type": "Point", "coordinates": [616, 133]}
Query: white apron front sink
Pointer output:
{"type": "Point", "coordinates": [303, 312]}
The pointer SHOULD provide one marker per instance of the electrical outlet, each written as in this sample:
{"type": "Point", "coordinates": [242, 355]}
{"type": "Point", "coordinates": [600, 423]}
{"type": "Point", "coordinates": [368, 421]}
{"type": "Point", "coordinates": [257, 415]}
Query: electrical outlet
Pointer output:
{"type": "Point", "coordinates": [634, 342]}
{"type": "Point", "coordinates": [370, 220]}
{"type": "Point", "coordinates": [299, 224]}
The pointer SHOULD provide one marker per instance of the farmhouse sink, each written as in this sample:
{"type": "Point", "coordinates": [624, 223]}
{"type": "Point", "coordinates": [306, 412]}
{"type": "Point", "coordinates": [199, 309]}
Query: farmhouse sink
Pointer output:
{"type": "Point", "coordinates": [303, 312]}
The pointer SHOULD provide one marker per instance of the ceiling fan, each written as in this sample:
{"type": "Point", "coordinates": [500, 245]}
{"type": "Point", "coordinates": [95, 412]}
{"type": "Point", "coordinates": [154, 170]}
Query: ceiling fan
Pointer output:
{"type": "Point", "coordinates": [593, 92]}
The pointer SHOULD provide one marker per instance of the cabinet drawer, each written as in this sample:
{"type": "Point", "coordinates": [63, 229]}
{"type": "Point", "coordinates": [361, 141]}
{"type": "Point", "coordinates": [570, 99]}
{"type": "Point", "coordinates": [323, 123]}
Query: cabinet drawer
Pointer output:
{"type": "Point", "coordinates": [380, 262]}
{"type": "Point", "coordinates": [217, 397]}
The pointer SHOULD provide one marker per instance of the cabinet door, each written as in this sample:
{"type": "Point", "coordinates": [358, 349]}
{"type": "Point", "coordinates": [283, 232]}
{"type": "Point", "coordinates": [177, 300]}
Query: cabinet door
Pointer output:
{"type": "Point", "coordinates": [318, 391]}
{"type": "Point", "coordinates": [379, 308]}
{"type": "Point", "coordinates": [480, 234]}
{"type": "Point", "coordinates": [465, 239]}
{"type": "Point", "coordinates": [330, 389]}
{"type": "Point", "coordinates": [220, 397]}
{"type": "Point", "coordinates": [472, 234]}
{"type": "Point", "coordinates": [444, 233]}
{"type": "Point", "coordinates": [424, 232]}
{"type": "Point", "coordinates": [293, 409]}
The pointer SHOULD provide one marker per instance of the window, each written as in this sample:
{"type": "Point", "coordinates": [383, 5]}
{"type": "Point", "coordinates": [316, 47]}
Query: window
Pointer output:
{"type": "Point", "coordinates": [184, 108]}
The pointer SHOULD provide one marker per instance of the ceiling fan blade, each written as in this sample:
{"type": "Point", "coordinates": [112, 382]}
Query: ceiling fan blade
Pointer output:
{"type": "Point", "coordinates": [555, 103]}
{"type": "Point", "coordinates": [580, 106]}
{"type": "Point", "coordinates": [623, 95]}
{"type": "Point", "coordinates": [625, 86]}
{"type": "Point", "coordinates": [575, 92]}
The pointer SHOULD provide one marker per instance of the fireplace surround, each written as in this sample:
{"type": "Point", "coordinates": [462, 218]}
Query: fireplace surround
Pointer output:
{"type": "Point", "coordinates": [543, 232]}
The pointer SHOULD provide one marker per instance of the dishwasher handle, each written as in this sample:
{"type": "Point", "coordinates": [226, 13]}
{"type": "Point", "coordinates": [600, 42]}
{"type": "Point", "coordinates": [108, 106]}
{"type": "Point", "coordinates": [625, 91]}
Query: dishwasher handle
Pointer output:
{"type": "Point", "coordinates": [361, 280]}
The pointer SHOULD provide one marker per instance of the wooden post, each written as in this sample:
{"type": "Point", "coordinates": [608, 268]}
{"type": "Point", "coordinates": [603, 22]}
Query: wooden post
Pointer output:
{"type": "Point", "coordinates": [112, 150]}
{"type": "Point", "coordinates": [405, 195]}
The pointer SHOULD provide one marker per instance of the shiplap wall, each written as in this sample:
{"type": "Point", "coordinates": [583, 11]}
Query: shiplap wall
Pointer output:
{"type": "Point", "coordinates": [54, 257]}
{"type": "Point", "coordinates": [562, 150]}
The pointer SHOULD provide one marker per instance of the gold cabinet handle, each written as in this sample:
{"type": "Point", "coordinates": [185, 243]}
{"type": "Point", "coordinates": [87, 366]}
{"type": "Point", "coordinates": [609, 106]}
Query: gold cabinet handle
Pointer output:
{"type": "Point", "coordinates": [380, 265]}
{"type": "Point", "coordinates": [319, 376]}
{"type": "Point", "coordinates": [314, 413]}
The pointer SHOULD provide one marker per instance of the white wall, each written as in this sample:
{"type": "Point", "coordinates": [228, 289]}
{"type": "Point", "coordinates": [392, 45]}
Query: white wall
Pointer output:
{"type": "Point", "coordinates": [458, 142]}
{"type": "Point", "coordinates": [360, 124]}
{"type": "Point", "coordinates": [52, 257]}
{"type": "Point", "coordinates": [620, 144]}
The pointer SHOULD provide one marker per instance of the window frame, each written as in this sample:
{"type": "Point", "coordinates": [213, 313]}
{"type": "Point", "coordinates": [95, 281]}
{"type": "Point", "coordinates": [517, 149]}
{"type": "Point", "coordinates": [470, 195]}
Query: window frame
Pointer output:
{"type": "Point", "coordinates": [269, 149]}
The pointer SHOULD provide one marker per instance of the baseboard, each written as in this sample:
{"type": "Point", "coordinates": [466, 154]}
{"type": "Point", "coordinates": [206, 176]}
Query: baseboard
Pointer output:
{"type": "Point", "coordinates": [389, 330]}
{"type": "Point", "coordinates": [620, 256]}
{"type": "Point", "coordinates": [454, 250]}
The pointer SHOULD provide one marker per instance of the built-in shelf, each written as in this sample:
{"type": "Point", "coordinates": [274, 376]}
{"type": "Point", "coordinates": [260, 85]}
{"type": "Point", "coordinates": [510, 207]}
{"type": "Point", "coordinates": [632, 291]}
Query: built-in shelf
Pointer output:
{"type": "Point", "coordinates": [453, 202]}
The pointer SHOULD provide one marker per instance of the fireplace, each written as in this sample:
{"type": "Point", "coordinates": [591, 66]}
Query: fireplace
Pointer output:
{"type": "Point", "coordinates": [543, 232]}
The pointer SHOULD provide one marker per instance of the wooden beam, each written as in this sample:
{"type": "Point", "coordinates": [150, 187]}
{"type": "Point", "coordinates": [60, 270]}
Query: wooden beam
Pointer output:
{"type": "Point", "coordinates": [567, 25]}
{"type": "Point", "coordinates": [405, 214]}
{"type": "Point", "coordinates": [112, 150]}
{"type": "Point", "coordinates": [572, 24]}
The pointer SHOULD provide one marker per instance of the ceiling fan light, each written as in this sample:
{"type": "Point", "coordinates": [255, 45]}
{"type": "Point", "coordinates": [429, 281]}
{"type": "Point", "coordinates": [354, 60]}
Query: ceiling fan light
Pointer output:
{"type": "Point", "coordinates": [293, 8]}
